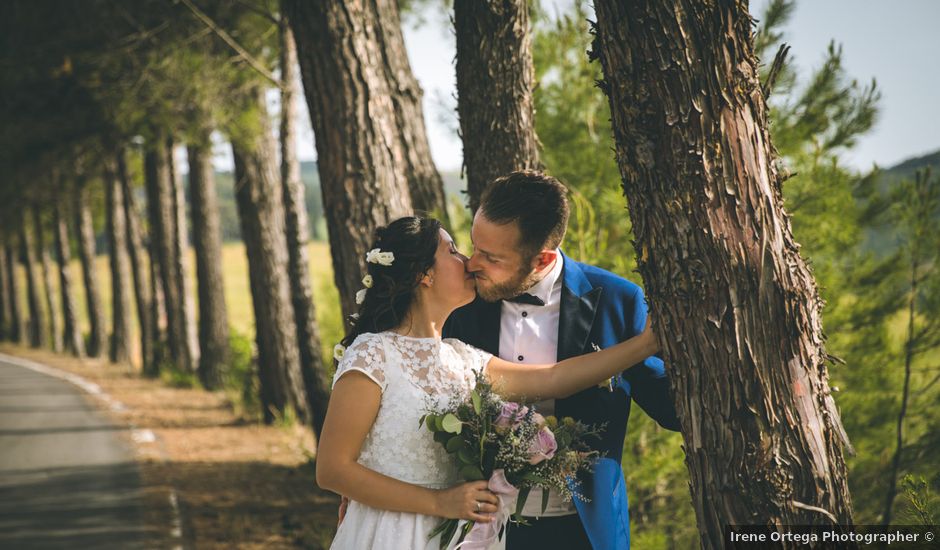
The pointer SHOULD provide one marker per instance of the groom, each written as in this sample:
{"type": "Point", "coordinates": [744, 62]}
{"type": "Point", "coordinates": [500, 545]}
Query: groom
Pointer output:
{"type": "Point", "coordinates": [536, 305]}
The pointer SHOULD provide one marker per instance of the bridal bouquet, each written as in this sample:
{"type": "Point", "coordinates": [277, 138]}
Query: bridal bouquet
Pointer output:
{"type": "Point", "coordinates": [514, 448]}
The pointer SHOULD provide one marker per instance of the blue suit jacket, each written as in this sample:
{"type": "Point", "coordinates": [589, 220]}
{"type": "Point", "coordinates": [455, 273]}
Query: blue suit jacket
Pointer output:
{"type": "Point", "coordinates": [598, 308]}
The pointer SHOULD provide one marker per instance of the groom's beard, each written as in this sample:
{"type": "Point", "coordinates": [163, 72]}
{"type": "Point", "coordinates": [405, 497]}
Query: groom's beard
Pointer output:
{"type": "Point", "coordinates": [522, 281]}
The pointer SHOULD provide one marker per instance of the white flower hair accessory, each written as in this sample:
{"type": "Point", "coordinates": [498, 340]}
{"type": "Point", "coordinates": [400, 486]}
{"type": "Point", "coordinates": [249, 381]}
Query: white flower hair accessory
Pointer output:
{"type": "Point", "coordinates": [367, 281]}
{"type": "Point", "coordinates": [339, 350]}
{"type": "Point", "coordinates": [376, 256]}
{"type": "Point", "coordinates": [361, 296]}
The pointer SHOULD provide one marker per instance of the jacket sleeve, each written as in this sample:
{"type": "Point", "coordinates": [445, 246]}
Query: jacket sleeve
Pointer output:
{"type": "Point", "coordinates": [646, 383]}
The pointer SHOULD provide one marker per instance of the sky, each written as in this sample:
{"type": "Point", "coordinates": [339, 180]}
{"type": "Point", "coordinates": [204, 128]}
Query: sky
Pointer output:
{"type": "Point", "coordinates": [894, 42]}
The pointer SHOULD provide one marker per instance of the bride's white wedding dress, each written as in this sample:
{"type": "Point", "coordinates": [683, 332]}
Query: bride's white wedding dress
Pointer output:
{"type": "Point", "coordinates": [415, 374]}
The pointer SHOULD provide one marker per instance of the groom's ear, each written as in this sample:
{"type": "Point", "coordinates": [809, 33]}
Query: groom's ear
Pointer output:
{"type": "Point", "coordinates": [544, 259]}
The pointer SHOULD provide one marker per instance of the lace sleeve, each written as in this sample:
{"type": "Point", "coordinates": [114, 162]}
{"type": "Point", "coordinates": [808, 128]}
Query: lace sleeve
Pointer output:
{"type": "Point", "coordinates": [474, 358]}
{"type": "Point", "coordinates": [366, 355]}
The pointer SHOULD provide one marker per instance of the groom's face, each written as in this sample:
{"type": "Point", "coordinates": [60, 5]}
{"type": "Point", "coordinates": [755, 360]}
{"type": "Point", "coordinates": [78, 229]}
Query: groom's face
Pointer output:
{"type": "Point", "coordinates": [497, 263]}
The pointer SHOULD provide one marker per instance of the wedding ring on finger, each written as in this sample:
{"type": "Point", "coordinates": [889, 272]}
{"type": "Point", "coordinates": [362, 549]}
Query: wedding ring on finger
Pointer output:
{"type": "Point", "coordinates": [478, 506]}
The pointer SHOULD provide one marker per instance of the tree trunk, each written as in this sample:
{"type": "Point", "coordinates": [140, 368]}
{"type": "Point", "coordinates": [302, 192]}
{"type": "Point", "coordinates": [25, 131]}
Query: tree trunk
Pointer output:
{"type": "Point", "coordinates": [17, 328]}
{"type": "Point", "coordinates": [47, 280]}
{"type": "Point", "coordinates": [295, 214]}
{"type": "Point", "coordinates": [120, 348]}
{"type": "Point", "coordinates": [261, 216]}
{"type": "Point", "coordinates": [86, 252]}
{"type": "Point", "coordinates": [71, 333]}
{"type": "Point", "coordinates": [35, 328]}
{"type": "Point", "coordinates": [6, 315]}
{"type": "Point", "coordinates": [424, 181]}
{"type": "Point", "coordinates": [163, 247]}
{"type": "Point", "coordinates": [360, 145]}
{"type": "Point", "coordinates": [746, 359]}
{"type": "Point", "coordinates": [495, 79]}
{"type": "Point", "coordinates": [135, 252]}
{"type": "Point", "coordinates": [207, 240]}
{"type": "Point", "coordinates": [181, 269]}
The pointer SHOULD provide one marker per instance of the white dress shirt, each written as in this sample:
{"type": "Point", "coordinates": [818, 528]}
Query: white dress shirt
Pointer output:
{"type": "Point", "coordinates": [529, 334]}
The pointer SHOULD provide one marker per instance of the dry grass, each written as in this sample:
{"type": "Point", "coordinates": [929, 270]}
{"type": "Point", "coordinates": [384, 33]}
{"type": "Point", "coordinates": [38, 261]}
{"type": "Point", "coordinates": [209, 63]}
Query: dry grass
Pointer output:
{"type": "Point", "coordinates": [239, 484]}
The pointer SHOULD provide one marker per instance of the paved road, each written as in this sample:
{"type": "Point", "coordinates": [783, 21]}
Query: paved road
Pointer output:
{"type": "Point", "coordinates": [67, 479]}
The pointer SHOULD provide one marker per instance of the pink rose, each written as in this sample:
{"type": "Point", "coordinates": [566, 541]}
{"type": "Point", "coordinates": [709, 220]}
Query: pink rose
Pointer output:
{"type": "Point", "coordinates": [510, 415]}
{"type": "Point", "coordinates": [543, 447]}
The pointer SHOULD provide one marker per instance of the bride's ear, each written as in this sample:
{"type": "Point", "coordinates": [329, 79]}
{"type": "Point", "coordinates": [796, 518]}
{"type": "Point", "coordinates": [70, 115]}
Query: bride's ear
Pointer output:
{"type": "Point", "coordinates": [427, 280]}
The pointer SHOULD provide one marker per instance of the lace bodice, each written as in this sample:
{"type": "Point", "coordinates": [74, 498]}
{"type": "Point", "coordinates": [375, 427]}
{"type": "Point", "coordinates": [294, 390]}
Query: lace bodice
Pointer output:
{"type": "Point", "coordinates": [415, 375]}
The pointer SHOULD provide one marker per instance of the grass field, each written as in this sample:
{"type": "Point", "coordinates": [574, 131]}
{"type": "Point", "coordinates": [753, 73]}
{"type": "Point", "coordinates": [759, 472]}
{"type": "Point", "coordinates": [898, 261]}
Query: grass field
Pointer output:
{"type": "Point", "coordinates": [237, 292]}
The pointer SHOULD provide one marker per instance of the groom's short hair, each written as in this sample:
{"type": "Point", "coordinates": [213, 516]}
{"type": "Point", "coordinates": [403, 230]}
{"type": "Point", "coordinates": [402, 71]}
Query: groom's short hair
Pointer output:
{"type": "Point", "coordinates": [537, 202]}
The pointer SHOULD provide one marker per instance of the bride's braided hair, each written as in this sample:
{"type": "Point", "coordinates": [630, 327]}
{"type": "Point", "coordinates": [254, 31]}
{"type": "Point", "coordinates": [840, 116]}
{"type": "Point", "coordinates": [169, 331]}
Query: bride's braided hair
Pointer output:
{"type": "Point", "coordinates": [414, 242]}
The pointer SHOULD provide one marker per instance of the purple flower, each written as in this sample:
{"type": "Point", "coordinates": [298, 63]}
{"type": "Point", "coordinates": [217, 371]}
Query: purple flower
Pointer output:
{"type": "Point", "coordinates": [543, 447]}
{"type": "Point", "coordinates": [510, 415]}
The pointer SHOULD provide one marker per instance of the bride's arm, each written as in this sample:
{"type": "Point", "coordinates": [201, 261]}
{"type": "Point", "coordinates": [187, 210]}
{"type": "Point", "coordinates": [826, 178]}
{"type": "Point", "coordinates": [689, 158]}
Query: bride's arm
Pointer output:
{"type": "Point", "coordinates": [534, 382]}
{"type": "Point", "coordinates": [353, 407]}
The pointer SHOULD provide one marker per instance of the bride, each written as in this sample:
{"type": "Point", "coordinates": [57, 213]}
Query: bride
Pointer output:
{"type": "Point", "coordinates": [399, 482]}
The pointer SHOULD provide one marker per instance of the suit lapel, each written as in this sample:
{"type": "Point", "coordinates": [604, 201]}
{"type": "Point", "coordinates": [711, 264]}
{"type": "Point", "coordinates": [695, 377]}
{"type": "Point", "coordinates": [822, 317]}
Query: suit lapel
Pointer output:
{"type": "Point", "coordinates": [489, 320]}
{"type": "Point", "coordinates": [578, 307]}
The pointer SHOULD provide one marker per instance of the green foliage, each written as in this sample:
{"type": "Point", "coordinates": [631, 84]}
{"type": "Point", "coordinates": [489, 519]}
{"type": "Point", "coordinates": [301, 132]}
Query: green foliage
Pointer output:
{"type": "Point", "coordinates": [240, 378]}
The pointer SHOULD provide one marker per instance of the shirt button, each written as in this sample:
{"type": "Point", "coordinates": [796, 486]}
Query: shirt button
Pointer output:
{"type": "Point", "coordinates": [525, 313]}
{"type": "Point", "coordinates": [521, 358]}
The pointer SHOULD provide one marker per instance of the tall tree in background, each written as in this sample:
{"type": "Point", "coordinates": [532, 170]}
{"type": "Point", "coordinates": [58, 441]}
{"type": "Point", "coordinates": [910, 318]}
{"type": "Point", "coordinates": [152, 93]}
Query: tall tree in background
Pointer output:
{"type": "Point", "coordinates": [42, 253]}
{"type": "Point", "coordinates": [295, 217]}
{"type": "Point", "coordinates": [71, 332]}
{"type": "Point", "coordinates": [162, 217]}
{"type": "Point", "coordinates": [261, 214]}
{"type": "Point", "coordinates": [84, 228]}
{"type": "Point", "coordinates": [136, 251]}
{"type": "Point", "coordinates": [17, 323]}
{"type": "Point", "coordinates": [181, 260]}
{"type": "Point", "coordinates": [115, 227]}
{"type": "Point", "coordinates": [35, 329]}
{"type": "Point", "coordinates": [719, 262]}
{"type": "Point", "coordinates": [6, 316]}
{"type": "Point", "coordinates": [360, 143]}
{"type": "Point", "coordinates": [207, 240]}
{"type": "Point", "coordinates": [495, 79]}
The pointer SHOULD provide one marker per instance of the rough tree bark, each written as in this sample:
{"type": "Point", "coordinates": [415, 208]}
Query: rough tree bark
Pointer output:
{"type": "Point", "coordinates": [424, 181]}
{"type": "Point", "coordinates": [71, 333]}
{"type": "Point", "coordinates": [207, 240]}
{"type": "Point", "coordinates": [163, 247]}
{"type": "Point", "coordinates": [136, 252]}
{"type": "Point", "coordinates": [17, 329]}
{"type": "Point", "coordinates": [361, 151]}
{"type": "Point", "coordinates": [747, 362]}
{"type": "Point", "coordinates": [261, 216]}
{"type": "Point", "coordinates": [47, 280]}
{"type": "Point", "coordinates": [495, 79]}
{"type": "Point", "coordinates": [295, 216]}
{"type": "Point", "coordinates": [86, 253]}
{"type": "Point", "coordinates": [120, 343]}
{"type": "Point", "coordinates": [181, 269]}
{"type": "Point", "coordinates": [6, 316]}
{"type": "Point", "coordinates": [35, 328]}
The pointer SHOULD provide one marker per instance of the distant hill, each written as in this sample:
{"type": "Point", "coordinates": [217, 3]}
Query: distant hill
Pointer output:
{"type": "Point", "coordinates": [907, 168]}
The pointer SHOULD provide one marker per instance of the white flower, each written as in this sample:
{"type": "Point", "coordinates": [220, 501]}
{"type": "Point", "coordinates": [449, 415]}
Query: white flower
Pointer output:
{"type": "Point", "coordinates": [367, 281]}
{"type": "Point", "coordinates": [354, 316]}
{"type": "Point", "coordinates": [361, 296]}
{"type": "Point", "coordinates": [376, 256]}
{"type": "Point", "coordinates": [338, 352]}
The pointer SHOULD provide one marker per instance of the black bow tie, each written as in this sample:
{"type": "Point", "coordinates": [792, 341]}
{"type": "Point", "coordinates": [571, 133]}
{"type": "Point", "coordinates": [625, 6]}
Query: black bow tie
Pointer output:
{"type": "Point", "coordinates": [528, 299]}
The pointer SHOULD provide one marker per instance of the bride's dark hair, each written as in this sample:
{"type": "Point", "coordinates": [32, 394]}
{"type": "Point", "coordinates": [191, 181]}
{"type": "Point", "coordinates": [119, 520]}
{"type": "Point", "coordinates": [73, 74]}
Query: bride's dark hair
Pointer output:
{"type": "Point", "coordinates": [414, 243]}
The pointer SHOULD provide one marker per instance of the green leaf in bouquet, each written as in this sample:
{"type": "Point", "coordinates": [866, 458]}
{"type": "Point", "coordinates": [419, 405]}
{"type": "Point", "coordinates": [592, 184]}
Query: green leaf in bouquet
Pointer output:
{"type": "Point", "coordinates": [544, 500]}
{"type": "Point", "coordinates": [429, 421]}
{"type": "Point", "coordinates": [520, 502]}
{"type": "Point", "coordinates": [477, 401]}
{"type": "Point", "coordinates": [454, 444]}
{"type": "Point", "coordinates": [466, 456]}
{"type": "Point", "coordinates": [471, 473]}
{"type": "Point", "coordinates": [441, 437]}
{"type": "Point", "coordinates": [421, 420]}
{"type": "Point", "coordinates": [451, 424]}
